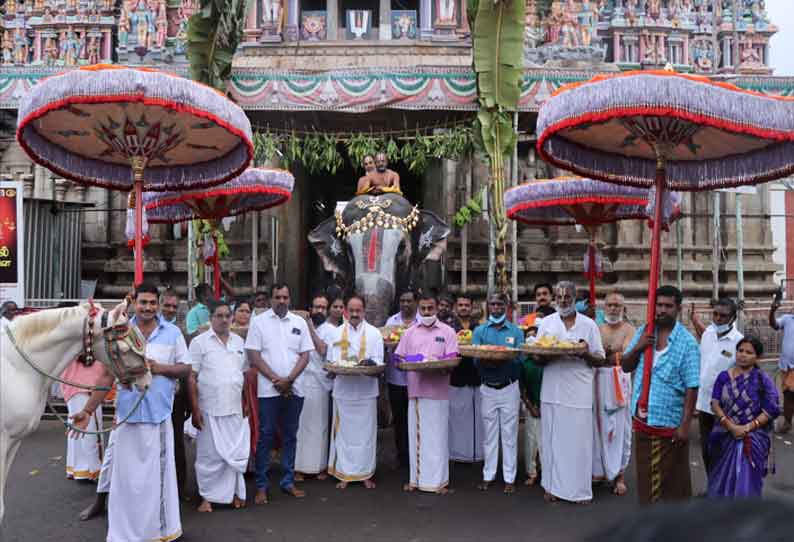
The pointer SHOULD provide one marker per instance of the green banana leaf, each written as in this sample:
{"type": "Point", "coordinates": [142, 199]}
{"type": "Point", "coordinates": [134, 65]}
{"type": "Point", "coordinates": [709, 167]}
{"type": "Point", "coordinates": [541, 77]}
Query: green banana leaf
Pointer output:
{"type": "Point", "coordinates": [213, 34]}
{"type": "Point", "coordinates": [493, 124]}
{"type": "Point", "coordinates": [498, 52]}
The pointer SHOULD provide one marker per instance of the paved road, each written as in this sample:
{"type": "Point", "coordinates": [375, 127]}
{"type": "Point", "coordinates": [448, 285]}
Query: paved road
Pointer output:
{"type": "Point", "coordinates": [41, 506]}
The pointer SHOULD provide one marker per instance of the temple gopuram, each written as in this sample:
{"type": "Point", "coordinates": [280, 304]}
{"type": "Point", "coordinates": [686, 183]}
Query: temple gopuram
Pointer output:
{"type": "Point", "coordinates": [390, 69]}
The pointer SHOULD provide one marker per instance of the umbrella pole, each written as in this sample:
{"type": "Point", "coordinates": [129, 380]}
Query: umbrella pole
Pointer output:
{"type": "Point", "coordinates": [650, 327]}
{"type": "Point", "coordinates": [138, 165]}
{"type": "Point", "coordinates": [591, 268]}
{"type": "Point", "coordinates": [216, 269]}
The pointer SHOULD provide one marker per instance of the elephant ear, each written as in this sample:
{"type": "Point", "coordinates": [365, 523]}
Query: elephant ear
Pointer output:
{"type": "Point", "coordinates": [430, 237]}
{"type": "Point", "coordinates": [330, 248]}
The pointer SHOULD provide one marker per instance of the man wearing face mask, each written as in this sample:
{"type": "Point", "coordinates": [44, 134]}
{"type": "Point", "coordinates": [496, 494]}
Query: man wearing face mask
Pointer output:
{"type": "Point", "coordinates": [428, 399]}
{"type": "Point", "coordinates": [566, 403]}
{"type": "Point", "coordinates": [717, 353]}
{"type": "Point", "coordinates": [500, 394]}
{"type": "Point", "coordinates": [612, 428]}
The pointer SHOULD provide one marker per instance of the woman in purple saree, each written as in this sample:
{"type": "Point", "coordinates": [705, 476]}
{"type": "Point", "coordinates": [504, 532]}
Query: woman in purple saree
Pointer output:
{"type": "Point", "coordinates": [745, 402]}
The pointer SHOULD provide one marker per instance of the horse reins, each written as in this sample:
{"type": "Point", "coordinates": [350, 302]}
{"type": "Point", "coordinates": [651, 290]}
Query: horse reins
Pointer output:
{"type": "Point", "coordinates": [112, 336]}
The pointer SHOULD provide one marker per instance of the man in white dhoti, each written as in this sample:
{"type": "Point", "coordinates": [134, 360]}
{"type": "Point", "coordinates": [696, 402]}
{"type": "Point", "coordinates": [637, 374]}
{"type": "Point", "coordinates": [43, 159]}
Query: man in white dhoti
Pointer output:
{"type": "Point", "coordinates": [311, 457]}
{"type": "Point", "coordinates": [500, 395]}
{"type": "Point", "coordinates": [143, 503]}
{"type": "Point", "coordinates": [428, 399]}
{"type": "Point", "coordinates": [354, 430]}
{"type": "Point", "coordinates": [465, 402]}
{"type": "Point", "coordinates": [224, 439]}
{"type": "Point", "coordinates": [84, 455]}
{"type": "Point", "coordinates": [566, 403]}
{"type": "Point", "coordinates": [612, 415]}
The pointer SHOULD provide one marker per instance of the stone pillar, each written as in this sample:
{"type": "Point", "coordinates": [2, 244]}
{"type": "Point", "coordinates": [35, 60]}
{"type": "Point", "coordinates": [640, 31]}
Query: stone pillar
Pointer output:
{"type": "Point", "coordinates": [107, 45]}
{"type": "Point", "coordinates": [61, 186]}
{"type": "Point", "coordinates": [251, 32]}
{"type": "Point", "coordinates": [37, 56]}
{"type": "Point", "coordinates": [616, 47]}
{"type": "Point", "coordinates": [425, 19]}
{"type": "Point", "coordinates": [332, 8]}
{"type": "Point", "coordinates": [686, 50]}
{"type": "Point", "coordinates": [384, 16]}
{"type": "Point", "coordinates": [28, 183]}
{"type": "Point", "coordinates": [293, 13]}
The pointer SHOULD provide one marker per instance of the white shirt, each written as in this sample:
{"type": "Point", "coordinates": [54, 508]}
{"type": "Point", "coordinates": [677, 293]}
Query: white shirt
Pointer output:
{"type": "Point", "coordinates": [315, 366]}
{"type": "Point", "coordinates": [220, 372]}
{"type": "Point", "coordinates": [716, 355]}
{"type": "Point", "coordinates": [3, 323]}
{"type": "Point", "coordinates": [568, 381]}
{"type": "Point", "coordinates": [356, 387]}
{"type": "Point", "coordinates": [280, 341]}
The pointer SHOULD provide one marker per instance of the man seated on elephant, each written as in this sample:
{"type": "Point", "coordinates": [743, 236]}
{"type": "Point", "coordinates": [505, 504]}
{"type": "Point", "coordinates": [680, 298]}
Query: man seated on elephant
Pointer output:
{"type": "Point", "coordinates": [381, 181]}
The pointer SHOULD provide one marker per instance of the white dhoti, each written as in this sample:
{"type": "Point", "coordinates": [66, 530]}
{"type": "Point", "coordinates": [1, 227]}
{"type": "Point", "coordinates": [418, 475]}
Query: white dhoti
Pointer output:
{"type": "Point", "coordinates": [143, 504]}
{"type": "Point", "coordinates": [84, 454]}
{"type": "Point", "coordinates": [428, 447]}
{"type": "Point", "coordinates": [222, 450]}
{"type": "Point", "coordinates": [311, 456]}
{"type": "Point", "coordinates": [500, 419]}
{"type": "Point", "coordinates": [352, 454]}
{"type": "Point", "coordinates": [106, 470]}
{"type": "Point", "coordinates": [566, 451]}
{"type": "Point", "coordinates": [612, 427]}
{"type": "Point", "coordinates": [531, 444]}
{"type": "Point", "coordinates": [465, 424]}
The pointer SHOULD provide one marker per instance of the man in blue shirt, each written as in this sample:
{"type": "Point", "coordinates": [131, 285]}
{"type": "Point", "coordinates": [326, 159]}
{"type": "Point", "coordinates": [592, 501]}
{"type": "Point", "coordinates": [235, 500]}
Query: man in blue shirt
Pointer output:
{"type": "Point", "coordinates": [663, 410]}
{"type": "Point", "coordinates": [143, 501]}
{"type": "Point", "coordinates": [199, 315]}
{"type": "Point", "coordinates": [500, 394]}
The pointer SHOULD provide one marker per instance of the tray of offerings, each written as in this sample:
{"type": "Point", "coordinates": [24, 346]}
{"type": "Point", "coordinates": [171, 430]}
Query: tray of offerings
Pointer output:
{"type": "Point", "coordinates": [429, 365]}
{"type": "Point", "coordinates": [552, 346]}
{"type": "Point", "coordinates": [353, 368]}
{"type": "Point", "coordinates": [488, 352]}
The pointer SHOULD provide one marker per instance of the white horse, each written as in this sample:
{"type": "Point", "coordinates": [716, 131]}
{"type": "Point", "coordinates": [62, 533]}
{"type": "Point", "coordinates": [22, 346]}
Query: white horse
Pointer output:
{"type": "Point", "coordinates": [51, 339]}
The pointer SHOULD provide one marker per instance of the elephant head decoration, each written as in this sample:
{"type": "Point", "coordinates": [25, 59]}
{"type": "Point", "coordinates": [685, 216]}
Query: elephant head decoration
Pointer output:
{"type": "Point", "coordinates": [375, 246]}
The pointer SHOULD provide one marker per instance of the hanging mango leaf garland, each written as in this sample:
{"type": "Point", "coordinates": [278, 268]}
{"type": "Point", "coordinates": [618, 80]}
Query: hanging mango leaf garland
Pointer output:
{"type": "Point", "coordinates": [213, 34]}
{"type": "Point", "coordinates": [498, 63]}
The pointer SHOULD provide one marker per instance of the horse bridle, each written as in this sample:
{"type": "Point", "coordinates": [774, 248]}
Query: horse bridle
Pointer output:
{"type": "Point", "coordinates": [112, 335]}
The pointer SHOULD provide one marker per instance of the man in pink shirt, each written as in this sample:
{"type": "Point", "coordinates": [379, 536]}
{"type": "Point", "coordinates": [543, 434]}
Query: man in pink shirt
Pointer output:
{"type": "Point", "coordinates": [428, 399]}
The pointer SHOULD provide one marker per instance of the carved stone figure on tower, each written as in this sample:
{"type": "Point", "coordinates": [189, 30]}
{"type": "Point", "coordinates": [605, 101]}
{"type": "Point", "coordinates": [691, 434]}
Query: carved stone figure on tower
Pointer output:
{"type": "Point", "coordinates": [21, 47]}
{"type": "Point", "coordinates": [93, 50]}
{"type": "Point", "coordinates": [124, 25]}
{"type": "Point", "coordinates": [570, 25]}
{"type": "Point", "coordinates": [8, 48]}
{"type": "Point", "coordinates": [162, 25]}
{"type": "Point", "coordinates": [142, 24]}
{"type": "Point", "coordinates": [272, 14]}
{"type": "Point", "coordinates": [447, 13]}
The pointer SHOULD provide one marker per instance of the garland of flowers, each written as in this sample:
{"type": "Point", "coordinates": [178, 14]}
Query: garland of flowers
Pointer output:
{"type": "Point", "coordinates": [320, 152]}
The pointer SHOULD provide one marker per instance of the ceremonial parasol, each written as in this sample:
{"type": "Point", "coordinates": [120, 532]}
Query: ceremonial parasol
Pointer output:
{"type": "Point", "coordinates": [664, 130]}
{"type": "Point", "coordinates": [564, 201]}
{"type": "Point", "coordinates": [135, 129]}
{"type": "Point", "coordinates": [255, 190]}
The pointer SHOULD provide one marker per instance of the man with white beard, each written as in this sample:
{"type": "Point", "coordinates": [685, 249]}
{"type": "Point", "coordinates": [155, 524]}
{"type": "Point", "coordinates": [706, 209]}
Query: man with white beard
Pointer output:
{"type": "Point", "coordinates": [612, 428]}
{"type": "Point", "coordinates": [566, 403]}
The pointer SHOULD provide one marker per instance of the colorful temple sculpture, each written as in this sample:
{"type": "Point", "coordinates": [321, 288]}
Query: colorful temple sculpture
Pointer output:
{"type": "Point", "coordinates": [354, 69]}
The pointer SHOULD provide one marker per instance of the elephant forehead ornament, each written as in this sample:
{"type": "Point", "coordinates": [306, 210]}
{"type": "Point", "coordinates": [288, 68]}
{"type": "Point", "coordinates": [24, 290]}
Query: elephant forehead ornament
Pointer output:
{"type": "Point", "coordinates": [376, 217]}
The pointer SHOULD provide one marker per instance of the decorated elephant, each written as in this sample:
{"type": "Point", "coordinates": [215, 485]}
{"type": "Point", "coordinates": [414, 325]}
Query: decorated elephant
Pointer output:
{"type": "Point", "coordinates": [375, 246]}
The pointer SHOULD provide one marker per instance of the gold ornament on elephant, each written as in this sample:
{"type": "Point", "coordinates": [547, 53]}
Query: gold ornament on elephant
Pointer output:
{"type": "Point", "coordinates": [377, 216]}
